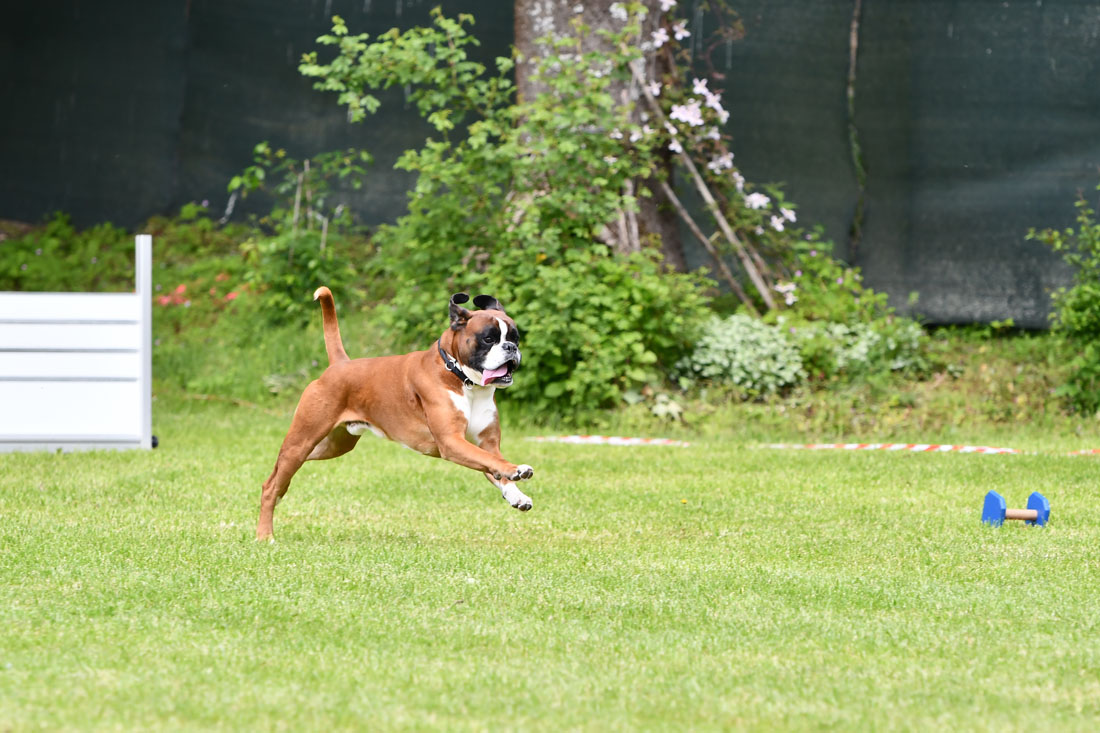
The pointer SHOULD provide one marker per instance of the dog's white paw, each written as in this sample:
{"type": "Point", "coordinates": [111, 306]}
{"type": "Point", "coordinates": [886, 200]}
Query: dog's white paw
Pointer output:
{"type": "Point", "coordinates": [515, 497]}
{"type": "Point", "coordinates": [522, 472]}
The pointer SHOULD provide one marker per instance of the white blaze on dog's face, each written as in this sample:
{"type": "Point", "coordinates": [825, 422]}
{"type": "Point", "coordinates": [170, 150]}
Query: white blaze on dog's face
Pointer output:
{"type": "Point", "coordinates": [495, 349]}
{"type": "Point", "coordinates": [489, 343]}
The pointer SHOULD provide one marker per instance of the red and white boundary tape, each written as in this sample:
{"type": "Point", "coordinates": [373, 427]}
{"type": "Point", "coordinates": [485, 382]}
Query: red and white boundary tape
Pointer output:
{"type": "Point", "coordinates": [608, 440]}
{"type": "Point", "coordinates": [900, 447]}
{"type": "Point", "coordinates": [905, 447]}
{"type": "Point", "coordinates": [925, 448]}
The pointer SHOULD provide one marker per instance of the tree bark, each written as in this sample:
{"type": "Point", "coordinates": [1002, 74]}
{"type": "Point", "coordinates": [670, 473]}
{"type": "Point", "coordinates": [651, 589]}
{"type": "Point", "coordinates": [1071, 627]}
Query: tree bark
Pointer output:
{"type": "Point", "coordinates": [536, 19]}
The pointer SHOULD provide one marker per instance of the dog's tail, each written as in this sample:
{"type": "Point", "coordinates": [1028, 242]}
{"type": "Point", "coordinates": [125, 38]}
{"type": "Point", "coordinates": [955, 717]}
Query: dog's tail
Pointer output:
{"type": "Point", "coordinates": [333, 344]}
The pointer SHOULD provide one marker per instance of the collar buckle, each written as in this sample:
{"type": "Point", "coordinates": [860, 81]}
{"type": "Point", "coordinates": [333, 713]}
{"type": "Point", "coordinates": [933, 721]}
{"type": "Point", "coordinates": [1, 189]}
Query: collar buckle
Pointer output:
{"type": "Point", "coordinates": [452, 366]}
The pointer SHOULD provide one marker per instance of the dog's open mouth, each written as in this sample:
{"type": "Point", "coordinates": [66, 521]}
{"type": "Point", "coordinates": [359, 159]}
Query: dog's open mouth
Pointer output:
{"type": "Point", "coordinates": [501, 376]}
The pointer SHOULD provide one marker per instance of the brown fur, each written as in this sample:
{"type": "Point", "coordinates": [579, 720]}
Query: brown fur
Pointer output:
{"type": "Point", "coordinates": [405, 396]}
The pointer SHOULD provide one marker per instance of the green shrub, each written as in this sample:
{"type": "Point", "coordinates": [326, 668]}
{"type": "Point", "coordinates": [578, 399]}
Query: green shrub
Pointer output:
{"type": "Point", "coordinates": [515, 203]}
{"type": "Point", "coordinates": [284, 269]}
{"type": "Point", "coordinates": [309, 237]}
{"type": "Point", "coordinates": [842, 327]}
{"type": "Point", "coordinates": [1077, 308]}
{"type": "Point", "coordinates": [757, 358]}
{"type": "Point", "coordinates": [595, 325]}
{"type": "Point", "coordinates": [854, 350]}
{"type": "Point", "coordinates": [824, 288]}
{"type": "Point", "coordinates": [57, 257]}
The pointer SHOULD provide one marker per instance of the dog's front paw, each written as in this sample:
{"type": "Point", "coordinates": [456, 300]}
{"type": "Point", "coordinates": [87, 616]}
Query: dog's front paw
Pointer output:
{"type": "Point", "coordinates": [515, 497]}
{"type": "Point", "coordinates": [522, 472]}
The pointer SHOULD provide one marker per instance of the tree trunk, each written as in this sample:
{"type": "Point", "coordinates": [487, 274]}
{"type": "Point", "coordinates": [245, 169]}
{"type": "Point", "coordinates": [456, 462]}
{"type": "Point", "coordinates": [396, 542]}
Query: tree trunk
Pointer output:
{"type": "Point", "coordinates": [536, 19]}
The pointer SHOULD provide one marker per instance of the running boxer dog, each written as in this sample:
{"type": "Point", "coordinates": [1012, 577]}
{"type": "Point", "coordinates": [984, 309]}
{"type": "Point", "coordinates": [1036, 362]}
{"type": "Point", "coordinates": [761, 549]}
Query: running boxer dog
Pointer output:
{"type": "Point", "coordinates": [439, 402]}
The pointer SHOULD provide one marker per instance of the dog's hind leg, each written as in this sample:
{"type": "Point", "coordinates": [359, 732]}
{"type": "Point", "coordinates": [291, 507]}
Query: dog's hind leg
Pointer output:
{"type": "Point", "coordinates": [312, 424]}
{"type": "Point", "coordinates": [338, 442]}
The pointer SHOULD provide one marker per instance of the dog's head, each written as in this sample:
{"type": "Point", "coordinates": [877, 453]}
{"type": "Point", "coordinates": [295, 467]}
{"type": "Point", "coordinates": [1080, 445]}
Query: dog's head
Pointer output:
{"type": "Point", "coordinates": [485, 341]}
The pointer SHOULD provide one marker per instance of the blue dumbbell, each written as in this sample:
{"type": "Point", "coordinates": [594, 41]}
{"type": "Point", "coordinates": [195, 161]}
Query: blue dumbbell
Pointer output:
{"type": "Point", "coordinates": [995, 512]}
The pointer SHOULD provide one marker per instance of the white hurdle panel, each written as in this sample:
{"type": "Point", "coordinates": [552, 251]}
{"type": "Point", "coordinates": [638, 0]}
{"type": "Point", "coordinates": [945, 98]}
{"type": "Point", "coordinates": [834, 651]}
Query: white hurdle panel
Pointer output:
{"type": "Point", "coordinates": [76, 368]}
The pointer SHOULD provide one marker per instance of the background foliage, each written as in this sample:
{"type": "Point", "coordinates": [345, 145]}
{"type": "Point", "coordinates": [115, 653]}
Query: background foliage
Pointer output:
{"type": "Point", "coordinates": [512, 199]}
{"type": "Point", "coordinates": [1077, 308]}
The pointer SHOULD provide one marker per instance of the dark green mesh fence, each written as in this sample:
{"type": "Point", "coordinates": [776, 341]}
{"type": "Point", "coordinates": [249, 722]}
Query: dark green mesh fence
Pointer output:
{"type": "Point", "coordinates": [976, 120]}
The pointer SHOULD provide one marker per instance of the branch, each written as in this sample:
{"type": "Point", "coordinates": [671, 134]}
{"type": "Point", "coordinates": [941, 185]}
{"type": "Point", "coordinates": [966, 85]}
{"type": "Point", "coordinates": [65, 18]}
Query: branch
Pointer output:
{"type": "Point", "coordinates": [709, 246]}
{"type": "Point", "coordinates": [712, 205]}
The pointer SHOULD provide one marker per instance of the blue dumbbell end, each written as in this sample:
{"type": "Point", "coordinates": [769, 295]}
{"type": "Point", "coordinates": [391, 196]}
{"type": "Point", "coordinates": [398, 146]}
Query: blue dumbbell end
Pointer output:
{"type": "Point", "coordinates": [993, 511]}
{"type": "Point", "coordinates": [1039, 503]}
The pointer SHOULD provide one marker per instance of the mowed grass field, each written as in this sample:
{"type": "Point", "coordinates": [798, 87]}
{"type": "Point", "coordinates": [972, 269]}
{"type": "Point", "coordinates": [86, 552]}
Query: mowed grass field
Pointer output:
{"type": "Point", "coordinates": [715, 587]}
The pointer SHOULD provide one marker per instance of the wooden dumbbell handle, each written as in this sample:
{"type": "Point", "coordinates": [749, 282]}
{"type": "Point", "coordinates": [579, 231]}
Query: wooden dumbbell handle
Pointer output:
{"type": "Point", "coordinates": [1028, 514]}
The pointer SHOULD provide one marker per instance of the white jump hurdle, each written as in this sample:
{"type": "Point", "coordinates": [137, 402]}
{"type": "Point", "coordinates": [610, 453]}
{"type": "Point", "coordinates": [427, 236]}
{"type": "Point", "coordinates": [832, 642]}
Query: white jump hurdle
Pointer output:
{"type": "Point", "coordinates": [76, 368]}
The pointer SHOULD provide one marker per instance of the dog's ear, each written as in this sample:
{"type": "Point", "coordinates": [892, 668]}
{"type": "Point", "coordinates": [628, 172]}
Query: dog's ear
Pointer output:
{"type": "Point", "coordinates": [488, 302]}
{"type": "Point", "coordinates": [459, 315]}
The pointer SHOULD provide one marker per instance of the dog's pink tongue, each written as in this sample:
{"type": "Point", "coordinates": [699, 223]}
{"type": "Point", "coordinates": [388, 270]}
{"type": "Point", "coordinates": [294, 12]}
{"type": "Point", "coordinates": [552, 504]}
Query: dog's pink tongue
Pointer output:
{"type": "Point", "coordinates": [490, 374]}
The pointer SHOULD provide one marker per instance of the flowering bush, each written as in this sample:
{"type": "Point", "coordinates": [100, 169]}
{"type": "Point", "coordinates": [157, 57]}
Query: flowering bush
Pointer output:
{"type": "Point", "coordinates": [757, 358]}
{"type": "Point", "coordinates": [524, 192]}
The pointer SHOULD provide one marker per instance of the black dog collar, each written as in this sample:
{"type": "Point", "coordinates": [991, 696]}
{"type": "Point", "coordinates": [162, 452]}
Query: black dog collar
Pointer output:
{"type": "Point", "coordinates": [452, 366]}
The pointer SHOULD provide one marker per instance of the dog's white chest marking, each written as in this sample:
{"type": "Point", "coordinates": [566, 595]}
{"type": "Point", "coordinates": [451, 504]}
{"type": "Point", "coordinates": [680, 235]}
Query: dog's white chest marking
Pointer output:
{"type": "Point", "coordinates": [358, 428]}
{"type": "Point", "coordinates": [477, 407]}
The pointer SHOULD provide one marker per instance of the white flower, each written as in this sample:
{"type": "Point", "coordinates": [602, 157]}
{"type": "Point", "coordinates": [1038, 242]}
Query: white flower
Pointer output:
{"type": "Point", "coordinates": [777, 223]}
{"type": "Point", "coordinates": [714, 100]}
{"type": "Point", "coordinates": [637, 135]}
{"type": "Point", "coordinates": [739, 181]}
{"type": "Point", "coordinates": [676, 147]}
{"type": "Point", "coordinates": [659, 37]}
{"type": "Point", "coordinates": [699, 86]}
{"type": "Point", "coordinates": [721, 162]}
{"type": "Point", "coordinates": [616, 134]}
{"type": "Point", "coordinates": [759, 231]}
{"type": "Point", "coordinates": [578, 9]}
{"type": "Point", "coordinates": [610, 159]}
{"type": "Point", "coordinates": [667, 5]}
{"type": "Point", "coordinates": [787, 291]}
{"type": "Point", "coordinates": [757, 201]}
{"type": "Point", "coordinates": [654, 88]}
{"type": "Point", "coordinates": [787, 214]}
{"type": "Point", "coordinates": [690, 113]}
{"type": "Point", "coordinates": [618, 12]}
{"type": "Point", "coordinates": [712, 134]}
{"type": "Point", "coordinates": [680, 30]}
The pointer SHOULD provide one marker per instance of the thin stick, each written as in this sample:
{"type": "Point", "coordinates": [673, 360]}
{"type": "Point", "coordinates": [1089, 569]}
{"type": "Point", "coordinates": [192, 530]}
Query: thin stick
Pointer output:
{"type": "Point", "coordinates": [635, 240]}
{"type": "Point", "coordinates": [309, 197]}
{"type": "Point", "coordinates": [297, 201]}
{"type": "Point", "coordinates": [709, 246]}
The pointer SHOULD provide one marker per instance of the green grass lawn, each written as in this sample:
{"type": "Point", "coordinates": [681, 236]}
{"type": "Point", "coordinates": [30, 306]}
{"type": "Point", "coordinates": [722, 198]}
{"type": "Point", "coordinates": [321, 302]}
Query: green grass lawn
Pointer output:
{"type": "Point", "coordinates": [713, 587]}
